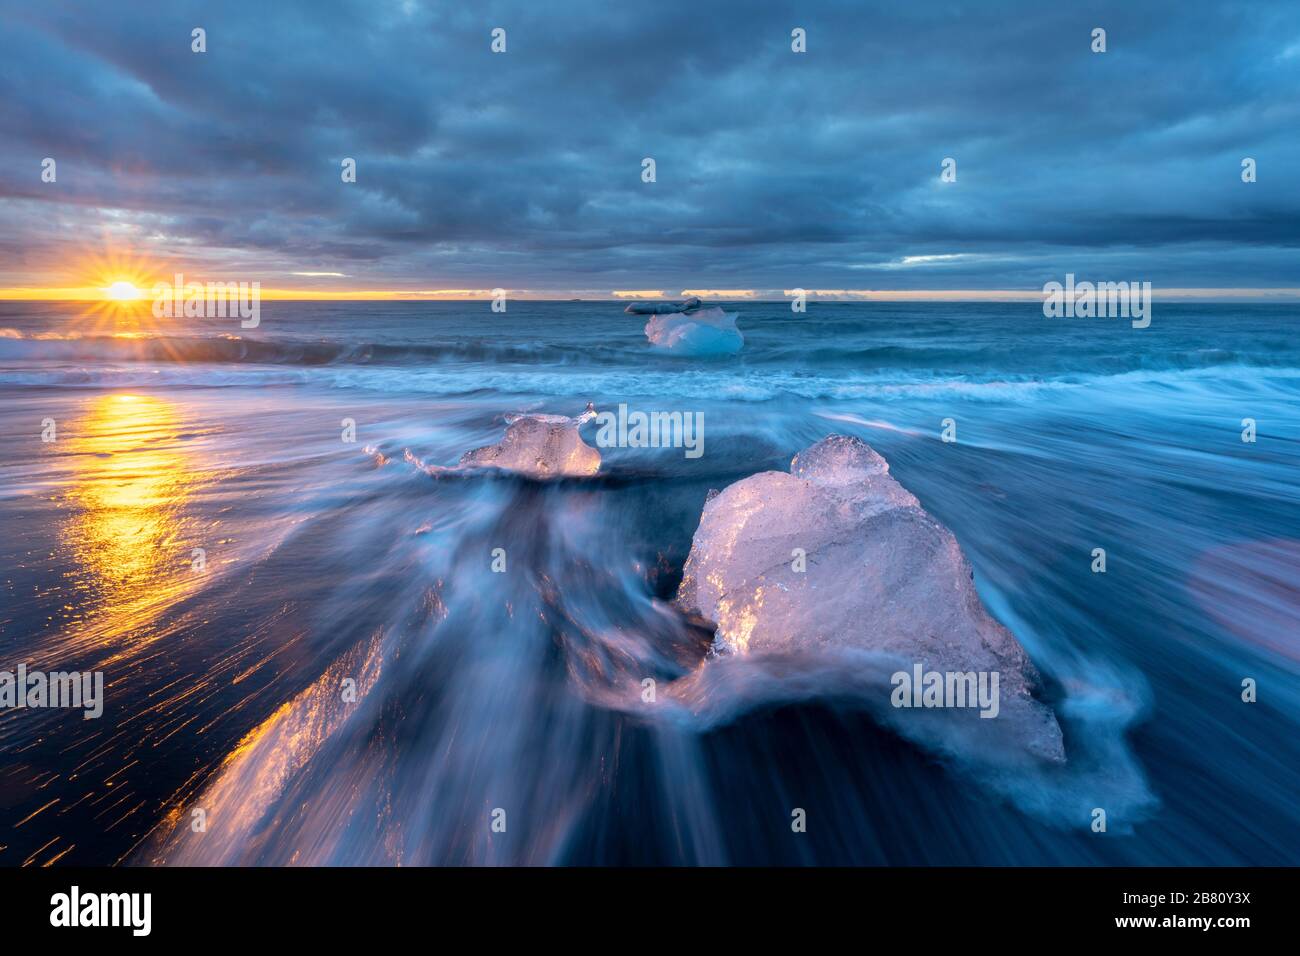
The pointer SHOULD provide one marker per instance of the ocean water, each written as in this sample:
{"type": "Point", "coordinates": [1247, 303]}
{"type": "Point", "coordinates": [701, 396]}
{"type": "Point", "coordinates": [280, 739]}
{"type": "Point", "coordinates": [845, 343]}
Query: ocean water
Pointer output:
{"type": "Point", "coordinates": [328, 561]}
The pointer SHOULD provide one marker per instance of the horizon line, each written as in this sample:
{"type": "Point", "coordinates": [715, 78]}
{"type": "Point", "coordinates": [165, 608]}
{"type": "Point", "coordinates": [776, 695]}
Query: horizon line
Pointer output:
{"type": "Point", "coordinates": [96, 294]}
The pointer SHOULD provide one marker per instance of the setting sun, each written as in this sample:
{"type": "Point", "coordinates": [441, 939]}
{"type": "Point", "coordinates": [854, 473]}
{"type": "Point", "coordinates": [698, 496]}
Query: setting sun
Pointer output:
{"type": "Point", "coordinates": [122, 291]}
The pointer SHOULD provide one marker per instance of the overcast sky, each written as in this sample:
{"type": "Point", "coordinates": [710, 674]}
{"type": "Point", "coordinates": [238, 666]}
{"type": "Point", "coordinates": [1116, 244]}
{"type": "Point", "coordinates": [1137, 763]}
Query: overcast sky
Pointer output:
{"type": "Point", "coordinates": [774, 169]}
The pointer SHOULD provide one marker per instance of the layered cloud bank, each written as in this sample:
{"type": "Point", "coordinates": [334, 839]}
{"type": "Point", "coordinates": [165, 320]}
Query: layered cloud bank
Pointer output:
{"type": "Point", "coordinates": [772, 167]}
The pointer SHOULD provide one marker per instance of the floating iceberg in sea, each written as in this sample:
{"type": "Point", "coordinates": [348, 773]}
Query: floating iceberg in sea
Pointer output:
{"type": "Point", "coordinates": [540, 446]}
{"type": "Point", "coordinates": [704, 332]}
{"type": "Point", "coordinates": [883, 584]}
{"type": "Point", "coordinates": [693, 304]}
{"type": "Point", "coordinates": [688, 328]}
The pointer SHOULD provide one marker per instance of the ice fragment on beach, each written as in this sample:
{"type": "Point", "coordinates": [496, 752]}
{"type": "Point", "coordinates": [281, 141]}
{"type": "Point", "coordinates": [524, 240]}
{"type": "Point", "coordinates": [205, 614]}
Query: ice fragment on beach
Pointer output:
{"type": "Point", "coordinates": [706, 332]}
{"type": "Point", "coordinates": [540, 446]}
{"type": "Point", "coordinates": [882, 576]}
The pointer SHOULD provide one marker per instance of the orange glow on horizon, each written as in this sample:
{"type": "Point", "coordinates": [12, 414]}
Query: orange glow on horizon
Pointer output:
{"type": "Point", "coordinates": [119, 283]}
{"type": "Point", "coordinates": [99, 293]}
{"type": "Point", "coordinates": [116, 287]}
{"type": "Point", "coordinates": [119, 286]}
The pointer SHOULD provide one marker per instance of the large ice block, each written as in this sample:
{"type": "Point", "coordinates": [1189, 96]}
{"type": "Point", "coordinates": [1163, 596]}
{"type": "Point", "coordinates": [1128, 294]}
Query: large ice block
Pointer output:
{"type": "Point", "coordinates": [881, 575]}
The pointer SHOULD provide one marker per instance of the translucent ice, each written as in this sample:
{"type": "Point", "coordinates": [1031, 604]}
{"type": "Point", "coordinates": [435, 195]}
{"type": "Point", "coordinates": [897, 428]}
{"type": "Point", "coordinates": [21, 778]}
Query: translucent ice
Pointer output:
{"type": "Point", "coordinates": [706, 332]}
{"type": "Point", "coordinates": [881, 580]}
{"type": "Point", "coordinates": [540, 446]}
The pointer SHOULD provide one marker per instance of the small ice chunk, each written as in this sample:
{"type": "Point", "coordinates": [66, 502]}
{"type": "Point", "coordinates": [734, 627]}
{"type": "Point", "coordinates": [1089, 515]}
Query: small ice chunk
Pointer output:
{"type": "Point", "coordinates": [540, 446]}
{"type": "Point", "coordinates": [838, 460]}
{"type": "Point", "coordinates": [879, 575]}
{"type": "Point", "coordinates": [706, 332]}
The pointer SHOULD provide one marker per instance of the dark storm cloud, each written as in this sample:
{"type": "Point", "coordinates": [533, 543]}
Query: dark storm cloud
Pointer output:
{"type": "Point", "coordinates": [775, 170]}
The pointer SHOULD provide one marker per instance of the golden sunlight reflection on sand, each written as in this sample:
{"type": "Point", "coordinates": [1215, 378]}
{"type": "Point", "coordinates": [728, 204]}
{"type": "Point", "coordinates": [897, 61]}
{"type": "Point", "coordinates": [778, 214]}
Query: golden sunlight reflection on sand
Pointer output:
{"type": "Point", "coordinates": [129, 531]}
